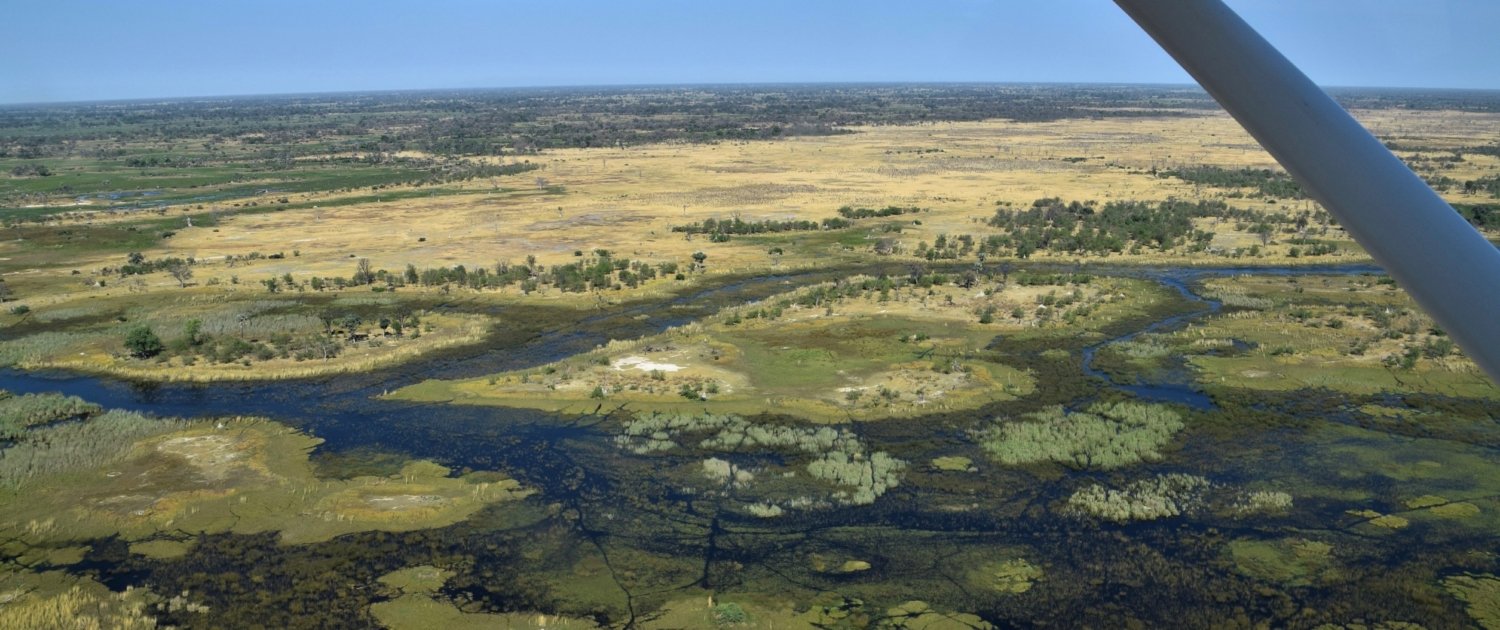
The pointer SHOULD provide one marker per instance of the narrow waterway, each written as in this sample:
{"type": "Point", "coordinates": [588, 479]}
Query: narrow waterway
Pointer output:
{"type": "Point", "coordinates": [1177, 388]}
{"type": "Point", "coordinates": [347, 412]}
{"type": "Point", "coordinates": [917, 538]}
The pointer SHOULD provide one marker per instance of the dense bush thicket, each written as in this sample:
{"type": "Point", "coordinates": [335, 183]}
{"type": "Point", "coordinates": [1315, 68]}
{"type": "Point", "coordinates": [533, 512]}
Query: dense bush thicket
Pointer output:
{"type": "Point", "coordinates": [1083, 227]}
{"type": "Point", "coordinates": [838, 456]}
{"type": "Point", "coordinates": [720, 230]}
{"type": "Point", "coordinates": [1480, 215]}
{"type": "Point", "coordinates": [1105, 437]}
{"type": "Point", "coordinates": [1264, 182]}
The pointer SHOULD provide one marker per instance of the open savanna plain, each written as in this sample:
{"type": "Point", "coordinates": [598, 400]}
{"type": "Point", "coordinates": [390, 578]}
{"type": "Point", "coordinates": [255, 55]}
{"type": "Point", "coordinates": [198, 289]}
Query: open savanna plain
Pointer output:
{"type": "Point", "coordinates": [861, 356]}
{"type": "Point", "coordinates": [564, 206]}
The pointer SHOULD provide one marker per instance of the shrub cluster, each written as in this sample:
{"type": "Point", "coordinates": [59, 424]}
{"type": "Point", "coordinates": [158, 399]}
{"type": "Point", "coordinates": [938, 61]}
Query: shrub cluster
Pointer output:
{"type": "Point", "coordinates": [1105, 437]}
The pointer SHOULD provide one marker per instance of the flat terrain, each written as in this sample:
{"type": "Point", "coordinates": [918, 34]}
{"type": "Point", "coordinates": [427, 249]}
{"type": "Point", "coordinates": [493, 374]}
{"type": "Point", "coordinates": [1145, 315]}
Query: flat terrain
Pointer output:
{"type": "Point", "coordinates": [626, 202]}
{"type": "Point", "coordinates": [859, 349]}
{"type": "Point", "coordinates": [779, 357]}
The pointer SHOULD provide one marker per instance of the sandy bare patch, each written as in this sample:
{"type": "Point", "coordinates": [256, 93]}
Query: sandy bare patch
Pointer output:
{"type": "Point", "coordinates": [399, 502]}
{"type": "Point", "coordinates": [643, 364]}
{"type": "Point", "coordinates": [213, 455]}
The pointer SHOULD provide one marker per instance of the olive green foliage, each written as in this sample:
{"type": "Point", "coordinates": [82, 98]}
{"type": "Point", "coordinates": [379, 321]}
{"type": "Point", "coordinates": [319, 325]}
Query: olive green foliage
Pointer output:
{"type": "Point", "coordinates": [416, 605]}
{"type": "Point", "coordinates": [730, 613]}
{"type": "Point", "coordinates": [51, 600]}
{"type": "Point", "coordinates": [1011, 576]}
{"type": "Point", "coordinates": [839, 457]}
{"type": "Point", "coordinates": [953, 463]}
{"type": "Point", "coordinates": [1107, 436]}
{"type": "Point", "coordinates": [1292, 562]}
{"type": "Point", "coordinates": [17, 413]}
{"type": "Point", "coordinates": [65, 448]}
{"type": "Point", "coordinates": [1161, 496]}
{"type": "Point", "coordinates": [77, 609]}
{"type": "Point", "coordinates": [870, 477]}
{"type": "Point", "coordinates": [911, 615]}
{"type": "Point", "coordinates": [143, 343]}
{"type": "Point", "coordinates": [1482, 595]}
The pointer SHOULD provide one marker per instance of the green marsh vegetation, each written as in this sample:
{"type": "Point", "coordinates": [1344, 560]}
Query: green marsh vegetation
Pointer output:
{"type": "Point", "coordinates": [1351, 334]}
{"type": "Point", "coordinates": [1103, 438]}
{"type": "Point", "coordinates": [160, 481]}
{"type": "Point", "coordinates": [1160, 497]}
{"type": "Point", "coordinates": [866, 347]}
{"type": "Point", "coordinates": [794, 521]}
{"type": "Point", "coordinates": [834, 457]}
{"type": "Point", "coordinates": [19, 413]}
{"type": "Point", "coordinates": [55, 599]}
{"type": "Point", "coordinates": [207, 335]}
{"type": "Point", "coordinates": [908, 442]}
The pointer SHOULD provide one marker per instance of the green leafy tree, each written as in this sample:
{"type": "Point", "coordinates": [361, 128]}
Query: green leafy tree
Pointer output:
{"type": "Point", "coordinates": [193, 331]}
{"type": "Point", "coordinates": [351, 324]}
{"type": "Point", "coordinates": [143, 343]}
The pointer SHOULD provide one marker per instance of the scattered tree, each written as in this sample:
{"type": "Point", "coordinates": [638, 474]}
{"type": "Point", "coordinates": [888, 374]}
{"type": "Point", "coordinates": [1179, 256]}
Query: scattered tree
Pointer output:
{"type": "Point", "coordinates": [143, 343]}
{"type": "Point", "coordinates": [181, 273]}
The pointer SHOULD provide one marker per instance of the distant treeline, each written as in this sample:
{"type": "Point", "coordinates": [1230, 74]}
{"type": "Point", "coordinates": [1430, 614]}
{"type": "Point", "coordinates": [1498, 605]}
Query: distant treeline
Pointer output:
{"type": "Point", "coordinates": [1486, 185]}
{"type": "Point", "coordinates": [1480, 215]}
{"type": "Point", "coordinates": [1083, 227]}
{"type": "Point", "coordinates": [496, 122]}
{"type": "Point", "coordinates": [594, 273]}
{"type": "Point", "coordinates": [1265, 182]}
{"type": "Point", "coordinates": [1417, 98]}
{"type": "Point", "coordinates": [719, 230]}
{"type": "Point", "coordinates": [504, 122]}
{"type": "Point", "coordinates": [738, 226]}
{"type": "Point", "coordinates": [865, 213]}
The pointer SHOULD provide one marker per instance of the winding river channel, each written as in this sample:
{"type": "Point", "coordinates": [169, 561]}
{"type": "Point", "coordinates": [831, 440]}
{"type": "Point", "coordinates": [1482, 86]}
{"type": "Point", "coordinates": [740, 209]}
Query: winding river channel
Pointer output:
{"type": "Point", "coordinates": [572, 461]}
{"type": "Point", "coordinates": [331, 402]}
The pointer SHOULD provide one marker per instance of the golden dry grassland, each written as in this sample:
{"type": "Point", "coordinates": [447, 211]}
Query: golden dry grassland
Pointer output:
{"type": "Point", "coordinates": [626, 200]}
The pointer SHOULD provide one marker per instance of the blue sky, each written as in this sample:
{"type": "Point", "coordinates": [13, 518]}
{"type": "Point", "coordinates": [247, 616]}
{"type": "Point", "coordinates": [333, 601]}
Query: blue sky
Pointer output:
{"type": "Point", "coordinates": [69, 50]}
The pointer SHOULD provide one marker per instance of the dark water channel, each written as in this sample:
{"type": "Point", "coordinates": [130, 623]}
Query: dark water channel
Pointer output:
{"type": "Point", "coordinates": [329, 404]}
{"type": "Point", "coordinates": [1178, 388]}
{"type": "Point", "coordinates": [572, 461]}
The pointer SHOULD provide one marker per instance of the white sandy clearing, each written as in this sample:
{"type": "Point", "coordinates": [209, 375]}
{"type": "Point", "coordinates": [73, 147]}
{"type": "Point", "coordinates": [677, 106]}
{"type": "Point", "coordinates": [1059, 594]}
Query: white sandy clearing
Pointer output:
{"type": "Point", "coordinates": [644, 365]}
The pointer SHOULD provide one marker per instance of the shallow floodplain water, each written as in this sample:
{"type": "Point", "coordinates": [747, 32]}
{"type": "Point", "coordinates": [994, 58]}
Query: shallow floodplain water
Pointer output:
{"type": "Point", "coordinates": [620, 537]}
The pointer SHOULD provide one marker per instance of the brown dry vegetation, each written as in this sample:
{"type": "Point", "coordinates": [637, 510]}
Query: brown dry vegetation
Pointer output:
{"type": "Point", "coordinates": [627, 200]}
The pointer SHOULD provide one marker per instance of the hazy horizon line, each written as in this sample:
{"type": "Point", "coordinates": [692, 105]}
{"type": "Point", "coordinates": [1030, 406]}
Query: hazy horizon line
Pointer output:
{"type": "Point", "coordinates": [745, 84]}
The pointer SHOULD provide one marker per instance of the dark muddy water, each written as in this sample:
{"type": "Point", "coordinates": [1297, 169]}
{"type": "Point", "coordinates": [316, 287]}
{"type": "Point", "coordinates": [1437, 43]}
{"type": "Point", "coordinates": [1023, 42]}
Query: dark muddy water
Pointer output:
{"type": "Point", "coordinates": [921, 539]}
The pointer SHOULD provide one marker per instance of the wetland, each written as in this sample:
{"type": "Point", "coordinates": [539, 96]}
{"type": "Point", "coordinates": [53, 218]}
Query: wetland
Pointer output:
{"type": "Point", "coordinates": [981, 406]}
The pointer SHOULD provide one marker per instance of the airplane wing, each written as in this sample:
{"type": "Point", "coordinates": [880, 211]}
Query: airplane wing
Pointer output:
{"type": "Point", "coordinates": [1436, 256]}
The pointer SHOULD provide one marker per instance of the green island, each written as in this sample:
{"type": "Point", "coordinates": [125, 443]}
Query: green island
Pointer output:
{"type": "Point", "coordinates": [860, 348]}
